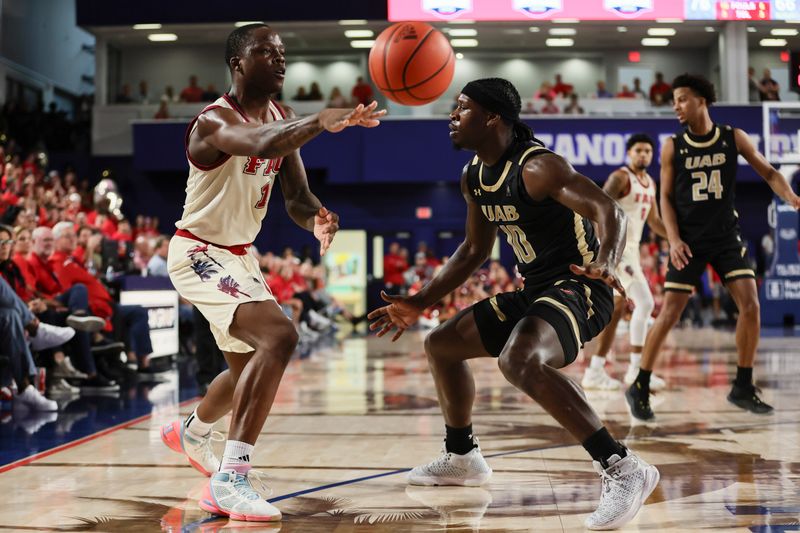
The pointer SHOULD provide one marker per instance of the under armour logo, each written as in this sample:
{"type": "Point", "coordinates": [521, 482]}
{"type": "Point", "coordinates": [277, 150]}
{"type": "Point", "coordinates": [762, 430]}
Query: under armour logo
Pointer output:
{"type": "Point", "coordinates": [508, 190]}
{"type": "Point", "coordinates": [476, 192]}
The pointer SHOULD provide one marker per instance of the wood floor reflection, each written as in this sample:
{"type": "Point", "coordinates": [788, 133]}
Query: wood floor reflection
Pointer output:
{"type": "Point", "coordinates": [351, 419]}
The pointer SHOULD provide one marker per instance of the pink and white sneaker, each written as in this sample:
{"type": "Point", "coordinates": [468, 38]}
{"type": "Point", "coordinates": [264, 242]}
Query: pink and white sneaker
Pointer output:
{"type": "Point", "coordinates": [198, 450]}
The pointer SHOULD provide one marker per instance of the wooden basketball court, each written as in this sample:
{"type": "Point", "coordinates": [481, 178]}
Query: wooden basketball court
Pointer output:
{"type": "Point", "coordinates": [351, 419]}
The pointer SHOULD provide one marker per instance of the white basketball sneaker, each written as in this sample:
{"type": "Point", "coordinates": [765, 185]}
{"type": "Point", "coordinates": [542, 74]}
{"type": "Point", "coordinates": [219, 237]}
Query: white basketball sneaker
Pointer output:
{"type": "Point", "coordinates": [198, 450]}
{"type": "Point", "coordinates": [468, 470]}
{"type": "Point", "coordinates": [231, 494]}
{"type": "Point", "coordinates": [656, 383]}
{"type": "Point", "coordinates": [626, 484]}
{"type": "Point", "coordinates": [598, 379]}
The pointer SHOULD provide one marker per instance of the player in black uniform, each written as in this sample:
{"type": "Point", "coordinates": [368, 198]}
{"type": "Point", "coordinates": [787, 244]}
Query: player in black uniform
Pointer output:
{"type": "Point", "coordinates": [698, 180]}
{"type": "Point", "coordinates": [543, 207]}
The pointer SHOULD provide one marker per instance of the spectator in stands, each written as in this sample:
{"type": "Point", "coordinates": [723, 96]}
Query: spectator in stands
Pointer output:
{"type": "Point", "coordinates": [545, 91]}
{"type": "Point", "coordinates": [192, 93]}
{"type": "Point", "coordinates": [169, 95]}
{"type": "Point", "coordinates": [337, 99]}
{"type": "Point", "coordinates": [626, 92]}
{"type": "Point", "coordinates": [300, 95]}
{"type": "Point", "coordinates": [660, 91]}
{"type": "Point", "coordinates": [70, 273]}
{"type": "Point", "coordinates": [770, 90]}
{"type": "Point", "coordinates": [362, 92]}
{"type": "Point", "coordinates": [210, 94]}
{"type": "Point", "coordinates": [315, 93]}
{"type": "Point", "coordinates": [144, 96]}
{"type": "Point", "coordinates": [142, 252]}
{"type": "Point", "coordinates": [124, 232]}
{"type": "Point", "coordinates": [562, 89]}
{"type": "Point", "coordinates": [124, 95]}
{"type": "Point", "coordinates": [157, 266]}
{"type": "Point", "coordinates": [602, 92]}
{"type": "Point", "coordinates": [394, 264]}
{"type": "Point", "coordinates": [753, 86]}
{"type": "Point", "coordinates": [637, 89]}
{"type": "Point", "coordinates": [574, 107]}
{"type": "Point", "coordinates": [163, 111]}
{"type": "Point", "coordinates": [549, 107]}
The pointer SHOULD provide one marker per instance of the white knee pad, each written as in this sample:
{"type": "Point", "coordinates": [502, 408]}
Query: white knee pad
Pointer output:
{"type": "Point", "coordinates": [639, 292]}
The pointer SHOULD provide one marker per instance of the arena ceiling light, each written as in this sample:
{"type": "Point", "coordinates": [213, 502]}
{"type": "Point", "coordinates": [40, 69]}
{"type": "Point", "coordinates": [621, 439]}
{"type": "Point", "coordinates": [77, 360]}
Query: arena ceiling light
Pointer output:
{"type": "Point", "coordinates": [655, 41]}
{"type": "Point", "coordinates": [462, 32]}
{"type": "Point", "coordinates": [362, 44]}
{"type": "Point", "coordinates": [669, 21]}
{"type": "Point", "coordinates": [565, 21]}
{"type": "Point", "coordinates": [246, 22]}
{"type": "Point", "coordinates": [459, 55]}
{"type": "Point", "coordinates": [710, 29]}
{"type": "Point", "coordinates": [162, 37]}
{"type": "Point", "coordinates": [534, 29]}
{"type": "Point", "coordinates": [772, 42]}
{"type": "Point", "coordinates": [358, 34]}
{"type": "Point", "coordinates": [147, 26]}
{"type": "Point", "coordinates": [352, 22]}
{"type": "Point", "coordinates": [788, 32]}
{"type": "Point", "coordinates": [751, 29]}
{"type": "Point", "coordinates": [562, 31]}
{"type": "Point", "coordinates": [463, 43]}
{"type": "Point", "coordinates": [559, 41]}
{"type": "Point", "coordinates": [661, 32]}
{"type": "Point", "coordinates": [622, 29]}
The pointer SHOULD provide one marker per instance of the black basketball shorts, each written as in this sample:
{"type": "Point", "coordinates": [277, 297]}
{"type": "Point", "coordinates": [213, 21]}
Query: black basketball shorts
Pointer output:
{"type": "Point", "coordinates": [578, 309]}
{"type": "Point", "coordinates": [727, 256]}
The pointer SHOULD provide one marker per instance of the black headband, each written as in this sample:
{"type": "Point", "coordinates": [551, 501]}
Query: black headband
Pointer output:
{"type": "Point", "coordinates": [490, 102]}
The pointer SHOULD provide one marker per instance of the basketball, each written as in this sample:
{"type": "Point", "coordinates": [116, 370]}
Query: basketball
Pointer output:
{"type": "Point", "coordinates": [412, 63]}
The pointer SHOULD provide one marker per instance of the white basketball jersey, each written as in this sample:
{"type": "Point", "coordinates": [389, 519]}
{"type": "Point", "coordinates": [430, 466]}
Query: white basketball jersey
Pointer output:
{"type": "Point", "coordinates": [636, 205]}
{"type": "Point", "coordinates": [226, 201]}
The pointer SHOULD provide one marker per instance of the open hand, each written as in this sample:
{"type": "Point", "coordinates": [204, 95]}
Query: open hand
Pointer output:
{"type": "Point", "coordinates": [335, 120]}
{"type": "Point", "coordinates": [602, 272]}
{"type": "Point", "coordinates": [326, 224]}
{"type": "Point", "coordinates": [400, 314]}
{"type": "Point", "coordinates": [679, 254]}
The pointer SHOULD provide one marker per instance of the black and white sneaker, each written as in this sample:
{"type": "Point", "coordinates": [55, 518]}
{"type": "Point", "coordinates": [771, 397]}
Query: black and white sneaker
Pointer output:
{"type": "Point", "coordinates": [98, 383]}
{"type": "Point", "coordinates": [747, 398]}
{"type": "Point", "coordinates": [639, 402]}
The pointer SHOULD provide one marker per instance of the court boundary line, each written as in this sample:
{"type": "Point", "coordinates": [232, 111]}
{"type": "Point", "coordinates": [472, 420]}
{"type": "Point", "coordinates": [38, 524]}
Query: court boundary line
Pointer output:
{"type": "Point", "coordinates": [83, 440]}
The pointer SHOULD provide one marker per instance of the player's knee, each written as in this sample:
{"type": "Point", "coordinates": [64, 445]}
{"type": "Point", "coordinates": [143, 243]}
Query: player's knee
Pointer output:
{"type": "Point", "coordinates": [522, 367]}
{"type": "Point", "coordinates": [750, 309]}
{"type": "Point", "coordinates": [434, 341]}
{"type": "Point", "coordinates": [646, 305]}
{"type": "Point", "coordinates": [280, 341]}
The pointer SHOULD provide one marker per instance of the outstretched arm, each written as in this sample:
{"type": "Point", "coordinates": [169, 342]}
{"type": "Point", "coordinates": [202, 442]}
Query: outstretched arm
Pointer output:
{"type": "Point", "coordinates": [402, 312]}
{"type": "Point", "coordinates": [551, 175]}
{"type": "Point", "coordinates": [777, 182]}
{"type": "Point", "coordinates": [302, 205]}
{"type": "Point", "coordinates": [222, 131]}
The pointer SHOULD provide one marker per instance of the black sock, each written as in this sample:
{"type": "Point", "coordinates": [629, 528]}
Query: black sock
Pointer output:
{"type": "Point", "coordinates": [459, 440]}
{"type": "Point", "coordinates": [744, 376]}
{"type": "Point", "coordinates": [643, 379]}
{"type": "Point", "coordinates": [601, 446]}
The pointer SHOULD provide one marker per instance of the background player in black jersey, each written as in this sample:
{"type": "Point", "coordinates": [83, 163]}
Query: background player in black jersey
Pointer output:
{"type": "Point", "coordinates": [698, 178]}
{"type": "Point", "coordinates": [544, 208]}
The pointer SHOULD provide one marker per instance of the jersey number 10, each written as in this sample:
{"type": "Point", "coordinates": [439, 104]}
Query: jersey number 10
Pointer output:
{"type": "Point", "coordinates": [705, 185]}
{"type": "Point", "coordinates": [522, 248]}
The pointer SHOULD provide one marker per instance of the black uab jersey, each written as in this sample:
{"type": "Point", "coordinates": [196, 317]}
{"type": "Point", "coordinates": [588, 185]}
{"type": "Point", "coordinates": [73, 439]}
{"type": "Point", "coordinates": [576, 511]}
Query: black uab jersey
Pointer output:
{"type": "Point", "coordinates": [705, 185]}
{"type": "Point", "coordinates": [546, 236]}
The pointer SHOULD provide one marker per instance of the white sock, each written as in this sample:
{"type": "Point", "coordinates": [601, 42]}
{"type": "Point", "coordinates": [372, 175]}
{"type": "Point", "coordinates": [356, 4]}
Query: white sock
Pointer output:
{"type": "Point", "coordinates": [197, 426]}
{"type": "Point", "coordinates": [598, 361]}
{"type": "Point", "coordinates": [636, 359]}
{"type": "Point", "coordinates": [236, 457]}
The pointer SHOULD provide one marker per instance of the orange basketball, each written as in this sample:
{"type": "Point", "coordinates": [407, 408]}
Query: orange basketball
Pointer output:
{"type": "Point", "coordinates": [412, 63]}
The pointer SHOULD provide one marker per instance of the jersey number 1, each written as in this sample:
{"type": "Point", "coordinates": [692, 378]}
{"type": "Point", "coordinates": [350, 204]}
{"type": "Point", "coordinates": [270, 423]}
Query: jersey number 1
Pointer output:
{"type": "Point", "coordinates": [701, 188]}
{"type": "Point", "coordinates": [264, 195]}
{"type": "Point", "coordinates": [519, 242]}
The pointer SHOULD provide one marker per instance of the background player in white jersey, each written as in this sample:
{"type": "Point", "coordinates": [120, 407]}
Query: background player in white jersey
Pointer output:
{"type": "Point", "coordinates": [635, 191]}
{"type": "Point", "coordinates": [235, 148]}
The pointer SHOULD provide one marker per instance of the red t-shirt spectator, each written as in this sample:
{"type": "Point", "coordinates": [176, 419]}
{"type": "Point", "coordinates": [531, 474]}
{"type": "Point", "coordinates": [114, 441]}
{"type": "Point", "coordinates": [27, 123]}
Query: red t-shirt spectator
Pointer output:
{"type": "Point", "coordinates": [626, 94]}
{"type": "Point", "coordinates": [563, 89]}
{"type": "Point", "coordinates": [10, 271]}
{"type": "Point", "coordinates": [25, 268]}
{"type": "Point", "coordinates": [362, 93]}
{"type": "Point", "coordinates": [192, 94]}
{"type": "Point", "coordinates": [70, 272]}
{"type": "Point", "coordinates": [659, 88]}
{"type": "Point", "coordinates": [393, 267]}
{"type": "Point", "coordinates": [46, 281]}
{"type": "Point", "coordinates": [281, 287]}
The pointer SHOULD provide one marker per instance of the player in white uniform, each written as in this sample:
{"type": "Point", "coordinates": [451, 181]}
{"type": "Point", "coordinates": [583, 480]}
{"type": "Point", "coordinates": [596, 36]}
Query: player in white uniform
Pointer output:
{"type": "Point", "coordinates": [635, 191]}
{"type": "Point", "coordinates": [237, 147]}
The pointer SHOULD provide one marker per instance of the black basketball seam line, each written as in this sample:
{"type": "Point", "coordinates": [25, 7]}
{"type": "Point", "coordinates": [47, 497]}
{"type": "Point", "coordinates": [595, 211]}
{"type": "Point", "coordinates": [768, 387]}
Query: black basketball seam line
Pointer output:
{"type": "Point", "coordinates": [413, 53]}
{"type": "Point", "coordinates": [408, 89]}
{"type": "Point", "coordinates": [386, 53]}
{"type": "Point", "coordinates": [426, 80]}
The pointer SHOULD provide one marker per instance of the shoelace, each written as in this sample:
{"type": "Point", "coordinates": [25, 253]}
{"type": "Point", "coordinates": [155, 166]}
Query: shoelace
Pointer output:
{"type": "Point", "coordinates": [247, 483]}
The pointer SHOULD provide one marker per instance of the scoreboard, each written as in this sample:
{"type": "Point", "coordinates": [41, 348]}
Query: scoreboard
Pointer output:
{"type": "Point", "coordinates": [612, 10]}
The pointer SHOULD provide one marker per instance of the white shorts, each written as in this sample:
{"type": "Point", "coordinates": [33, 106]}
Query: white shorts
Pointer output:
{"type": "Point", "coordinates": [629, 271]}
{"type": "Point", "coordinates": [216, 281]}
